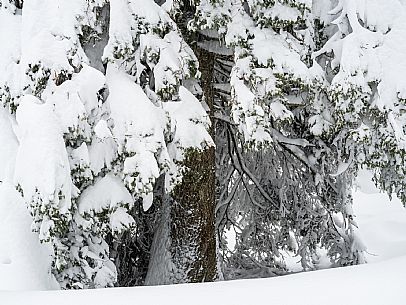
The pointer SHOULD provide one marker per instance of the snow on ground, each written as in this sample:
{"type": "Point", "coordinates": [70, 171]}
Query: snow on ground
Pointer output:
{"type": "Point", "coordinates": [380, 282]}
{"type": "Point", "coordinates": [382, 226]}
{"type": "Point", "coordinates": [382, 223]}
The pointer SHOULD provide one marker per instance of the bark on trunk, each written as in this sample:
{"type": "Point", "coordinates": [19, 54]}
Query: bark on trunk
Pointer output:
{"type": "Point", "coordinates": [192, 214]}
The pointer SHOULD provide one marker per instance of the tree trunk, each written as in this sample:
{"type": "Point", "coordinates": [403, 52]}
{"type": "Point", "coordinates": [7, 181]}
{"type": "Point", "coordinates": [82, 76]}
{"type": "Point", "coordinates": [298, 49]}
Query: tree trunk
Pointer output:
{"type": "Point", "coordinates": [186, 235]}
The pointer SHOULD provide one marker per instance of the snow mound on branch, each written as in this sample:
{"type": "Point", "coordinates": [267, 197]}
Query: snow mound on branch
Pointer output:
{"type": "Point", "coordinates": [42, 163]}
{"type": "Point", "coordinates": [173, 53]}
{"type": "Point", "coordinates": [134, 115]}
{"type": "Point", "coordinates": [75, 99]}
{"type": "Point", "coordinates": [139, 128]}
{"type": "Point", "coordinates": [284, 52]}
{"type": "Point", "coordinates": [119, 30]}
{"type": "Point", "coordinates": [150, 11]}
{"type": "Point", "coordinates": [108, 196]}
{"type": "Point", "coordinates": [189, 122]}
{"type": "Point", "coordinates": [103, 149]}
{"type": "Point", "coordinates": [106, 193]}
{"type": "Point", "coordinates": [45, 20]}
{"type": "Point", "coordinates": [126, 15]}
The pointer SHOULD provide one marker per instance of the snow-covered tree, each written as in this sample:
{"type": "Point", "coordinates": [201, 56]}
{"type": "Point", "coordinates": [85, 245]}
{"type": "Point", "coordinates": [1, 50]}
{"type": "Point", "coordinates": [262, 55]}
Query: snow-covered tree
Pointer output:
{"type": "Point", "coordinates": [283, 188]}
{"type": "Point", "coordinates": [93, 142]}
{"type": "Point", "coordinates": [307, 98]}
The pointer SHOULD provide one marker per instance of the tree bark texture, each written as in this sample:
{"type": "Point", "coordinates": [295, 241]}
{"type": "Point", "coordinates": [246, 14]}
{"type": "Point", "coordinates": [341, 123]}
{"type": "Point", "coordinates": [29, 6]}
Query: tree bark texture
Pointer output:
{"type": "Point", "coordinates": [192, 212]}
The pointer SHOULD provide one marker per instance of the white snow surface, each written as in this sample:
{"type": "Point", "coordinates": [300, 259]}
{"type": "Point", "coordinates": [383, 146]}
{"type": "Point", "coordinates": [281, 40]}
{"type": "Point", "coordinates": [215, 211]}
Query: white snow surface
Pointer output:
{"type": "Point", "coordinates": [365, 284]}
{"type": "Point", "coordinates": [382, 226]}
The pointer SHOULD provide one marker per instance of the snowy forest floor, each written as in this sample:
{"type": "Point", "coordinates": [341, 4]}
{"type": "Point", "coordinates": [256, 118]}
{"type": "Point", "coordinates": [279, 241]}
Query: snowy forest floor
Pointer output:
{"type": "Point", "coordinates": [383, 229]}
